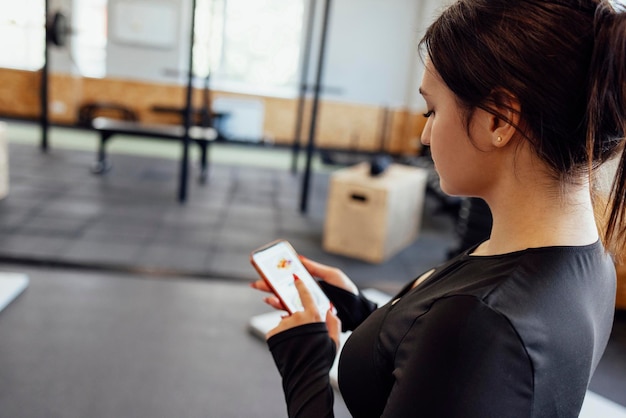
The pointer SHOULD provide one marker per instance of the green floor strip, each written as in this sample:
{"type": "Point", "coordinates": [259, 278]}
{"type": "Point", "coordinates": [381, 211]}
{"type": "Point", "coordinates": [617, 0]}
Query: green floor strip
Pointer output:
{"type": "Point", "coordinates": [222, 153]}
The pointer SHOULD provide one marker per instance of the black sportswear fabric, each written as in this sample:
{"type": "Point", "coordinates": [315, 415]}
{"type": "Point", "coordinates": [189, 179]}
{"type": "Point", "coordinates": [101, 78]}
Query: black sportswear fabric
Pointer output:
{"type": "Point", "coordinates": [514, 335]}
{"type": "Point", "coordinates": [351, 309]}
{"type": "Point", "coordinates": [304, 369]}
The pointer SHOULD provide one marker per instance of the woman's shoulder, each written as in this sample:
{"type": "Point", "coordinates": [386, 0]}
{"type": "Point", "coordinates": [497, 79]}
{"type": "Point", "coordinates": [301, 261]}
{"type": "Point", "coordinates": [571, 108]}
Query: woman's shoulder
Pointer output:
{"type": "Point", "coordinates": [552, 274]}
{"type": "Point", "coordinates": [536, 272]}
{"type": "Point", "coordinates": [536, 288]}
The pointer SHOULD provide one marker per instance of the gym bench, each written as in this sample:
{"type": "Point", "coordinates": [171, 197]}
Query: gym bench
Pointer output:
{"type": "Point", "coordinates": [202, 136]}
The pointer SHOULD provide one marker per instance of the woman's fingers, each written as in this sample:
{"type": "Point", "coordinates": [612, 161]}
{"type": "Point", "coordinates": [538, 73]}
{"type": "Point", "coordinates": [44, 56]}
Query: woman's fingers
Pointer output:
{"type": "Point", "coordinates": [331, 275]}
{"type": "Point", "coordinates": [308, 302]}
{"type": "Point", "coordinates": [261, 285]}
{"type": "Point", "coordinates": [274, 302]}
{"type": "Point", "coordinates": [310, 314]}
{"type": "Point", "coordinates": [316, 269]}
{"type": "Point", "coordinates": [333, 323]}
{"type": "Point", "coordinates": [272, 299]}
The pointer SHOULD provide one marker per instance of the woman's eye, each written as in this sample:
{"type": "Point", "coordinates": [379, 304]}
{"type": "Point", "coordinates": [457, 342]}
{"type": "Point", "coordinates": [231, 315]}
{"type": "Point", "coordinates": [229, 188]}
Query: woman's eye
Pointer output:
{"type": "Point", "coordinates": [428, 114]}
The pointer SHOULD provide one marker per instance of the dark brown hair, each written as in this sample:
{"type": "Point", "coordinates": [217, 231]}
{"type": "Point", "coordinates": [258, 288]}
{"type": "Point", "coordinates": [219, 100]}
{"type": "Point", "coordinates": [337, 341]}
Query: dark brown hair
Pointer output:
{"type": "Point", "coordinates": [564, 61]}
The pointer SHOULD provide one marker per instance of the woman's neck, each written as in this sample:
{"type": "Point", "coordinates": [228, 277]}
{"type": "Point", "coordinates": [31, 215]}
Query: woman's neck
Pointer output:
{"type": "Point", "coordinates": [531, 217]}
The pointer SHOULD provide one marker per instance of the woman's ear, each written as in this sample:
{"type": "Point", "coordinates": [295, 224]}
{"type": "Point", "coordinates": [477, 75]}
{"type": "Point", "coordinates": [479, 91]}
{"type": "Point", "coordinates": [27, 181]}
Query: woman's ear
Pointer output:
{"type": "Point", "coordinates": [505, 118]}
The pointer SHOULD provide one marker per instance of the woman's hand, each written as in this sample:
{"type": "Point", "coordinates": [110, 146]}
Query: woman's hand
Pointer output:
{"type": "Point", "coordinates": [309, 315]}
{"type": "Point", "coordinates": [331, 275]}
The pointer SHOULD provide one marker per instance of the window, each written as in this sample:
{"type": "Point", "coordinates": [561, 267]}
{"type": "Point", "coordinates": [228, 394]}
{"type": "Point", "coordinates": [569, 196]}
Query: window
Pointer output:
{"type": "Point", "coordinates": [250, 45]}
{"type": "Point", "coordinates": [23, 38]}
{"type": "Point", "coordinates": [89, 24]}
{"type": "Point", "coordinates": [22, 34]}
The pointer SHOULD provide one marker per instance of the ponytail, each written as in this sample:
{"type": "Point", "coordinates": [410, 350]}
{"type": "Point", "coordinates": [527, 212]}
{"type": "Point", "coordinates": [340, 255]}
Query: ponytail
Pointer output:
{"type": "Point", "coordinates": [606, 117]}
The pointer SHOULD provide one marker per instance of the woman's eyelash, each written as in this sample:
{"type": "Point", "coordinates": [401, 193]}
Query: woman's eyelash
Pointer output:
{"type": "Point", "coordinates": [428, 114]}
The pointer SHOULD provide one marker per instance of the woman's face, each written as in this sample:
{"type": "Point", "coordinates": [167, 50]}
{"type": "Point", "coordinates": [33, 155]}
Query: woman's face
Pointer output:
{"type": "Point", "coordinates": [464, 166]}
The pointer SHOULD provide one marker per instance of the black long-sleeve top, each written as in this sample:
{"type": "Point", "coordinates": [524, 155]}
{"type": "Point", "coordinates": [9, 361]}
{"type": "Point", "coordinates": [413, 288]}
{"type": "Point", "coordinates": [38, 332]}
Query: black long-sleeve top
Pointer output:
{"type": "Point", "coordinates": [514, 335]}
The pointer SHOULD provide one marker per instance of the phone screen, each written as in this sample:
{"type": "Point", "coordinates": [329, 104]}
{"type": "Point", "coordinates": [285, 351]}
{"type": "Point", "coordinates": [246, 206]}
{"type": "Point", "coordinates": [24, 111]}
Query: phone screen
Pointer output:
{"type": "Point", "coordinates": [278, 263]}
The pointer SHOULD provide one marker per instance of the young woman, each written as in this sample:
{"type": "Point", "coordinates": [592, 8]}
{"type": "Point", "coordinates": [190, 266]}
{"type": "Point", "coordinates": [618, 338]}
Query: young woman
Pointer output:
{"type": "Point", "coordinates": [526, 98]}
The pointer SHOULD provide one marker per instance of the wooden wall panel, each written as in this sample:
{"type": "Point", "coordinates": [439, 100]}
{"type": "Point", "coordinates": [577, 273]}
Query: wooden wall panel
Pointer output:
{"type": "Point", "coordinates": [414, 128]}
{"type": "Point", "coordinates": [19, 93]}
{"type": "Point", "coordinates": [280, 120]}
{"type": "Point", "coordinates": [340, 125]}
{"type": "Point", "coordinates": [137, 96]}
{"type": "Point", "coordinates": [343, 125]}
{"type": "Point", "coordinates": [64, 96]}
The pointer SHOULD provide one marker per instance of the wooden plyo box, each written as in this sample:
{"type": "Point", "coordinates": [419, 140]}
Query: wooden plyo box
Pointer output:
{"type": "Point", "coordinates": [372, 218]}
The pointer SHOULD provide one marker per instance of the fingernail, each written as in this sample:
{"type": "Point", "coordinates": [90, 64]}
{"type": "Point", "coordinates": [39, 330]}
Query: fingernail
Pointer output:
{"type": "Point", "coordinates": [295, 277]}
{"type": "Point", "coordinates": [332, 307]}
{"type": "Point", "coordinates": [301, 257]}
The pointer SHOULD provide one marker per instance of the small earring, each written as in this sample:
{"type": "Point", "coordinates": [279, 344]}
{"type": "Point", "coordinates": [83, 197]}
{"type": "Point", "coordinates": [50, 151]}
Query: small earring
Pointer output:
{"type": "Point", "coordinates": [499, 139]}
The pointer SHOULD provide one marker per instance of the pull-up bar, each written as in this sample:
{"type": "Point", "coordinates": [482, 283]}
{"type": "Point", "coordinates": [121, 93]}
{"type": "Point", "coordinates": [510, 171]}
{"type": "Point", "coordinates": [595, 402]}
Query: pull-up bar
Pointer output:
{"type": "Point", "coordinates": [43, 120]}
{"type": "Point", "coordinates": [184, 165]}
{"type": "Point", "coordinates": [306, 180]}
{"type": "Point", "coordinates": [304, 79]}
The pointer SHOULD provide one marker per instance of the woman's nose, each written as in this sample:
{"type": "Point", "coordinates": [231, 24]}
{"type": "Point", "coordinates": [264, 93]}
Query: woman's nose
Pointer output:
{"type": "Point", "coordinates": [425, 137]}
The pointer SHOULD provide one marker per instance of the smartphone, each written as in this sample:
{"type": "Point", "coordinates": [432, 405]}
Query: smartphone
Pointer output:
{"type": "Point", "coordinates": [277, 262]}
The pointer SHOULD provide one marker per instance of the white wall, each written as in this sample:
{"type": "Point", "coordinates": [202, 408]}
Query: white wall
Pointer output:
{"type": "Point", "coordinates": [134, 56]}
{"type": "Point", "coordinates": [372, 55]}
{"type": "Point", "coordinates": [369, 50]}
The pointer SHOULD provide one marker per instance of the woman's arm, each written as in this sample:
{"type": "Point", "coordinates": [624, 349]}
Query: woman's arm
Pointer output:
{"type": "Point", "coordinates": [304, 349]}
{"type": "Point", "coordinates": [304, 356]}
